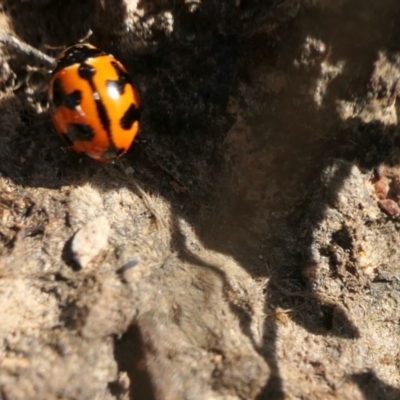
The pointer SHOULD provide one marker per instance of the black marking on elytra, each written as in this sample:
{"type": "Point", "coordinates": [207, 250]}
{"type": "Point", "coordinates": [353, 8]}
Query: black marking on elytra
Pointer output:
{"type": "Point", "coordinates": [60, 98]}
{"type": "Point", "coordinates": [58, 93]}
{"type": "Point", "coordinates": [87, 72]}
{"type": "Point", "coordinates": [123, 79]}
{"type": "Point", "coordinates": [131, 115]}
{"type": "Point", "coordinates": [73, 100]}
{"type": "Point", "coordinates": [77, 54]}
{"type": "Point", "coordinates": [80, 132]}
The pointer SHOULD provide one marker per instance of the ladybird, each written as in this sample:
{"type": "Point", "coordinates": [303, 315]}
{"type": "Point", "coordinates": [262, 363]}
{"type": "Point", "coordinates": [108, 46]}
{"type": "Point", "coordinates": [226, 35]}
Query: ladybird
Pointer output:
{"type": "Point", "coordinates": [93, 103]}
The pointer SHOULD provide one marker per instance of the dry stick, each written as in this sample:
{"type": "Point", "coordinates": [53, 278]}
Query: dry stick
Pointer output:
{"type": "Point", "coordinates": [27, 49]}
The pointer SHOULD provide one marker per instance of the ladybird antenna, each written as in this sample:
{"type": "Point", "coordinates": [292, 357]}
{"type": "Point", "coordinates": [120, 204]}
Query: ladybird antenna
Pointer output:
{"type": "Point", "coordinates": [81, 40]}
{"type": "Point", "coordinates": [50, 47]}
{"type": "Point", "coordinates": [87, 36]}
{"type": "Point", "coordinates": [25, 48]}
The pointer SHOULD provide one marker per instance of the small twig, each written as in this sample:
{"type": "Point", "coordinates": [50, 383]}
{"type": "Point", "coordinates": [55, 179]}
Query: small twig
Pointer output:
{"type": "Point", "coordinates": [27, 49]}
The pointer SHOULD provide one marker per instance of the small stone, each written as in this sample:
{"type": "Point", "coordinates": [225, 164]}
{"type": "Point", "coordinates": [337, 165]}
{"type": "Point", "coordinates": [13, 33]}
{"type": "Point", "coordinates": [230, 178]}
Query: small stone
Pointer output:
{"type": "Point", "coordinates": [90, 240]}
{"type": "Point", "coordinates": [390, 207]}
{"type": "Point", "coordinates": [370, 271]}
{"type": "Point", "coordinates": [382, 188]}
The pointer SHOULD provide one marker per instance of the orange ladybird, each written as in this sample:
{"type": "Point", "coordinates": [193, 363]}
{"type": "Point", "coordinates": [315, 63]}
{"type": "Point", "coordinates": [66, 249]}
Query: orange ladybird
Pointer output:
{"type": "Point", "coordinates": [94, 104]}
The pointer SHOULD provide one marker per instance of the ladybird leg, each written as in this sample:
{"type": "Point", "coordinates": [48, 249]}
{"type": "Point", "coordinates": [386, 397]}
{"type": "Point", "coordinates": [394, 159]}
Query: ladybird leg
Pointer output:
{"type": "Point", "coordinates": [86, 37]}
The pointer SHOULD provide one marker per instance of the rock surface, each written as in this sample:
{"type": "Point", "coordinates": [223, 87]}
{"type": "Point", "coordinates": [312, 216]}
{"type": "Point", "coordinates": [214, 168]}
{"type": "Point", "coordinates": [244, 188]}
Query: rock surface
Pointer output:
{"type": "Point", "coordinates": [253, 245]}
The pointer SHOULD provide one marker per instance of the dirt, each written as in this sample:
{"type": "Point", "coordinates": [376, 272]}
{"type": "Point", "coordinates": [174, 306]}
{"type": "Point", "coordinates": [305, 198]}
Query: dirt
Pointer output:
{"type": "Point", "coordinates": [253, 250]}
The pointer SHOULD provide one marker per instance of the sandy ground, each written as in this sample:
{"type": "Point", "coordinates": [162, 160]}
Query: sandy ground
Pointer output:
{"type": "Point", "coordinates": [253, 245]}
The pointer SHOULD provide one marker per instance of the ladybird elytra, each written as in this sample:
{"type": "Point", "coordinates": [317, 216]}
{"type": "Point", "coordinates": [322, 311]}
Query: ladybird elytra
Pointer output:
{"type": "Point", "coordinates": [94, 105]}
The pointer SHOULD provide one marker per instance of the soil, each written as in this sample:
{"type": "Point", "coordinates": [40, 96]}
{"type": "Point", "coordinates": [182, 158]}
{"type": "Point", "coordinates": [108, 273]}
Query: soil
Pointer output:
{"type": "Point", "coordinates": [253, 228]}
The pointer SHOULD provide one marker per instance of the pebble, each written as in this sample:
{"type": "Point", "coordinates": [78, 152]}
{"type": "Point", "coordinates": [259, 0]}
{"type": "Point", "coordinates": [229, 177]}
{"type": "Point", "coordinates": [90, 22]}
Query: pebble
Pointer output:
{"type": "Point", "coordinates": [90, 240]}
{"type": "Point", "coordinates": [390, 207]}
